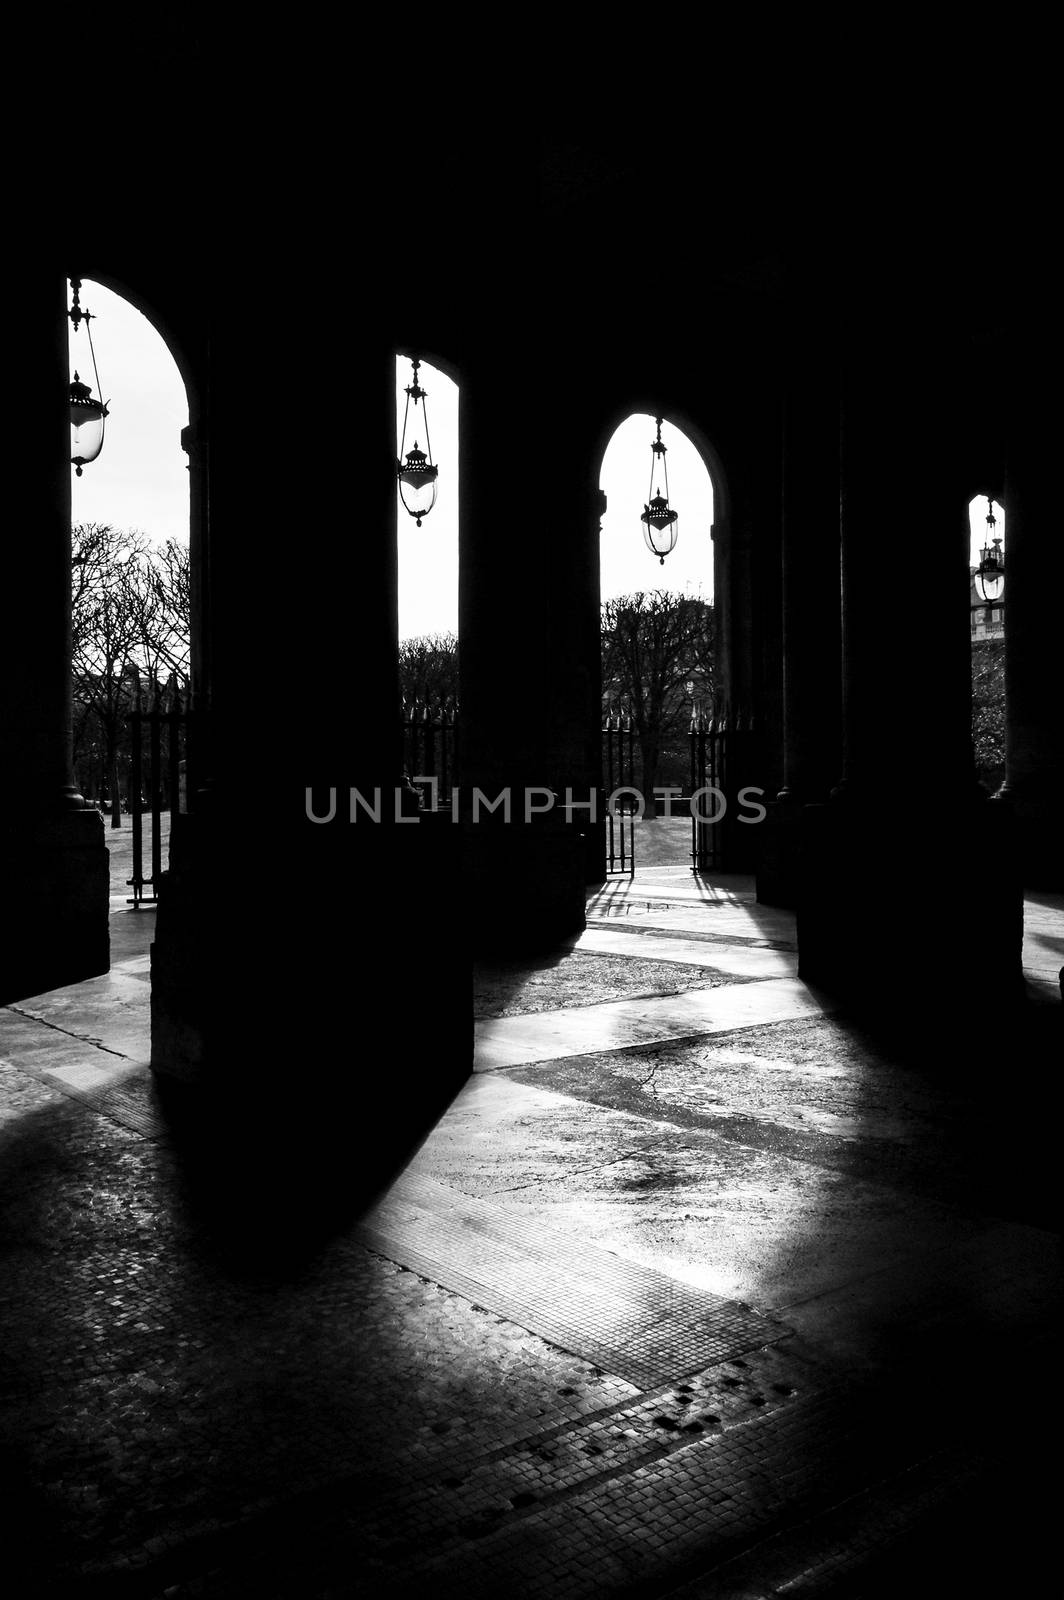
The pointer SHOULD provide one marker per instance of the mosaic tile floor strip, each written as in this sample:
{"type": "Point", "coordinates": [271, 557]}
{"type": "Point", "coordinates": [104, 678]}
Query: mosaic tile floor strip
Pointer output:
{"type": "Point", "coordinates": [628, 1319]}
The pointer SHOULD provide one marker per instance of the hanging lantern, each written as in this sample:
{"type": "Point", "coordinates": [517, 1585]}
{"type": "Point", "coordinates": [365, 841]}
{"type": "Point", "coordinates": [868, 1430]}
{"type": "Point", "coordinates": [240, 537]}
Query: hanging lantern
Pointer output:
{"type": "Point", "coordinates": [86, 425]}
{"type": "Point", "coordinates": [990, 573]}
{"type": "Point", "coordinates": [416, 473]}
{"type": "Point", "coordinates": [661, 526]}
{"type": "Point", "coordinates": [87, 414]}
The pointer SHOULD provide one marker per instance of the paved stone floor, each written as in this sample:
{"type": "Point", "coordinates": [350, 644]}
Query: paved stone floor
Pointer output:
{"type": "Point", "coordinates": [698, 1288]}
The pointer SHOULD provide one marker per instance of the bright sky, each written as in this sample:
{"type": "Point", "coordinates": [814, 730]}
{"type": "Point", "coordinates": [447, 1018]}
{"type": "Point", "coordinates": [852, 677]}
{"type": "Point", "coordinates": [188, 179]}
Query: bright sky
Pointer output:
{"type": "Point", "coordinates": [626, 564]}
{"type": "Point", "coordinates": [428, 556]}
{"type": "Point", "coordinates": [140, 478]}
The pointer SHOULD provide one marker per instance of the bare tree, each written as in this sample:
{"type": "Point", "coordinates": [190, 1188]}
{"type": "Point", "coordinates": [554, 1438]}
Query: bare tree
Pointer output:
{"type": "Point", "coordinates": [657, 663]}
{"type": "Point", "coordinates": [129, 635]}
{"type": "Point", "coordinates": [172, 583]}
{"type": "Point", "coordinates": [428, 670]}
{"type": "Point", "coordinates": [104, 640]}
{"type": "Point", "coordinates": [155, 592]}
{"type": "Point", "coordinates": [988, 711]}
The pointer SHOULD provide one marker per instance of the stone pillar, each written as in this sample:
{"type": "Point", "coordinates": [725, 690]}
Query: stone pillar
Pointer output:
{"type": "Point", "coordinates": [1034, 683]}
{"type": "Point", "coordinates": [195, 440]}
{"type": "Point", "coordinates": [811, 625]}
{"type": "Point", "coordinates": [525, 689]}
{"type": "Point", "coordinates": [54, 860]}
{"type": "Point", "coordinates": [293, 936]}
{"type": "Point", "coordinates": [894, 892]}
{"type": "Point", "coordinates": [575, 721]}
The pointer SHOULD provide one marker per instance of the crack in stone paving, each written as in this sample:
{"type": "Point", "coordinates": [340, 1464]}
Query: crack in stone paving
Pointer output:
{"type": "Point", "coordinates": [648, 1083]}
{"type": "Point", "coordinates": [592, 1166]}
{"type": "Point", "coordinates": [82, 1038]}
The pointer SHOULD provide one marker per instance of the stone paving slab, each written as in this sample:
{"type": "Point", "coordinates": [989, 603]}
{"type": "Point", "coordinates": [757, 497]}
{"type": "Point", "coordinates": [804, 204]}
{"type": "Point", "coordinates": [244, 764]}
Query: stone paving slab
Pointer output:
{"type": "Point", "coordinates": [111, 1012]}
{"type": "Point", "coordinates": [731, 896]}
{"type": "Point", "coordinates": [748, 1223]}
{"type": "Point", "coordinates": [1043, 943]}
{"type": "Point", "coordinates": [515, 1041]}
{"type": "Point", "coordinates": [735, 959]}
{"type": "Point", "coordinates": [692, 930]}
{"type": "Point", "coordinates": [630, 1320]}
{"type": "Point", "coordinates": [722, 920]}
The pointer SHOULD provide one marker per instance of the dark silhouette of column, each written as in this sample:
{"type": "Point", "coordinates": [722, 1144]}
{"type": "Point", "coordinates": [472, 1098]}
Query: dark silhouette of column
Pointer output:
{"type": "Point", "coordinates": [55, 860]}
{"type": "Point", "coordinates": [1034, 682]}
{"type": "Point", "coordinates": [526, 688]}
{"type": "Point", "coordinates": [907, 822]}
{"type": "Point", "coordinates": [811, 592]}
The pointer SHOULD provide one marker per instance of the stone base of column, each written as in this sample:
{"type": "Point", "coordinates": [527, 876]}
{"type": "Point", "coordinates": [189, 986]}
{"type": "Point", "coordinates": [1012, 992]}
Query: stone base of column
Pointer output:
{"type": "Point", "coordinates": [54, 871]}
{"type": "Point", "coordinates": [777, 869]}
{"type": "Point", "coordinates": [195, 947]}
{"type": "Point", "coordinates": [311, 997]}
{"type": "Point", "coordinates": [1039, 829]}
{"type": "Point", "coordinates": [595, 852]}
{"type": "Point", "coordinates": [525, 885]}
{"type": "Point", "coordinates": [900, 910]}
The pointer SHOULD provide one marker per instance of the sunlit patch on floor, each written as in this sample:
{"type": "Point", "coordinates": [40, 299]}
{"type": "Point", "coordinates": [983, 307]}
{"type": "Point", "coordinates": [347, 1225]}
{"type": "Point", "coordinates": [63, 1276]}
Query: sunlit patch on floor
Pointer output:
{"type": "Point", "coordinates": [521, 987]}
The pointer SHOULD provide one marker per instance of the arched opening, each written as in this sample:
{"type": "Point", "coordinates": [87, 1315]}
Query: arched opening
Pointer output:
{"type": "Point", "coordinates": [626, 566]}
{"type": "Point", "coordinates": [140, 478]}
{"type": "Point", "coordinates": [428, 566]}
{"type": "Point", "coordinates": [131, 656]}
{"type": "Point", "coordinates": [659, 666]}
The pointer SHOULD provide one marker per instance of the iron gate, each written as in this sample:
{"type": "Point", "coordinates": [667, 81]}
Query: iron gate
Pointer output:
{"type": "Point", "coordinates": [618, 766]}
{"type": "Point", "coordinates": [158, 783]}
{"type": "Point", "coordinates": [430, 752]}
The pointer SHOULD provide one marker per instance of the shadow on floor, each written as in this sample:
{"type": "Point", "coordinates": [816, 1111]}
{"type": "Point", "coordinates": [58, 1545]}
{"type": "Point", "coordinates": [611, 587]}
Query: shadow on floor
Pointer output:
{"type": "Point", "coordinates": [268, 1185]}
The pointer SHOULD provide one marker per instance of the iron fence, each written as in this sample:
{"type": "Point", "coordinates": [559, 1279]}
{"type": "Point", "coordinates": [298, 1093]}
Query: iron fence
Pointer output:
{"type": "Point", "coordinates": [618, 768]}
{"type": "Point", "coordinates": [158, 781]}
{"type": "Point", "coordinates": [430, 752]}
{"type": "Point", "coordinates": [709, 779]}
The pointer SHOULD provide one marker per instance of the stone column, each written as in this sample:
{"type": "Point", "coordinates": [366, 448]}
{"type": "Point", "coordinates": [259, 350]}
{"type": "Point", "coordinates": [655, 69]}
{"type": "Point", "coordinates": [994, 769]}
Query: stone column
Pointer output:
{"type": "Point", "coordinates": [526, 688]}
{"type": "Point", "coordinates": [53, 851]}
{"type": "Point", "coordinates": [1034, 683]}
{"type": "Point", "coordinates": [894, 890]}
{"type": "Point", "coordinates": [575, 648]}
{"type": "Point", "coordinates": [195, 440]}
{"type": "Point", "coordinates": [811, 625]}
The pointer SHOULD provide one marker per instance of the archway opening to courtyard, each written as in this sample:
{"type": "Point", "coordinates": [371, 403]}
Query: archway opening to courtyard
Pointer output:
{"type": "Point", "coordinates": [660, 682]}
{"type": "Point", "coordinates": [131, 590]}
